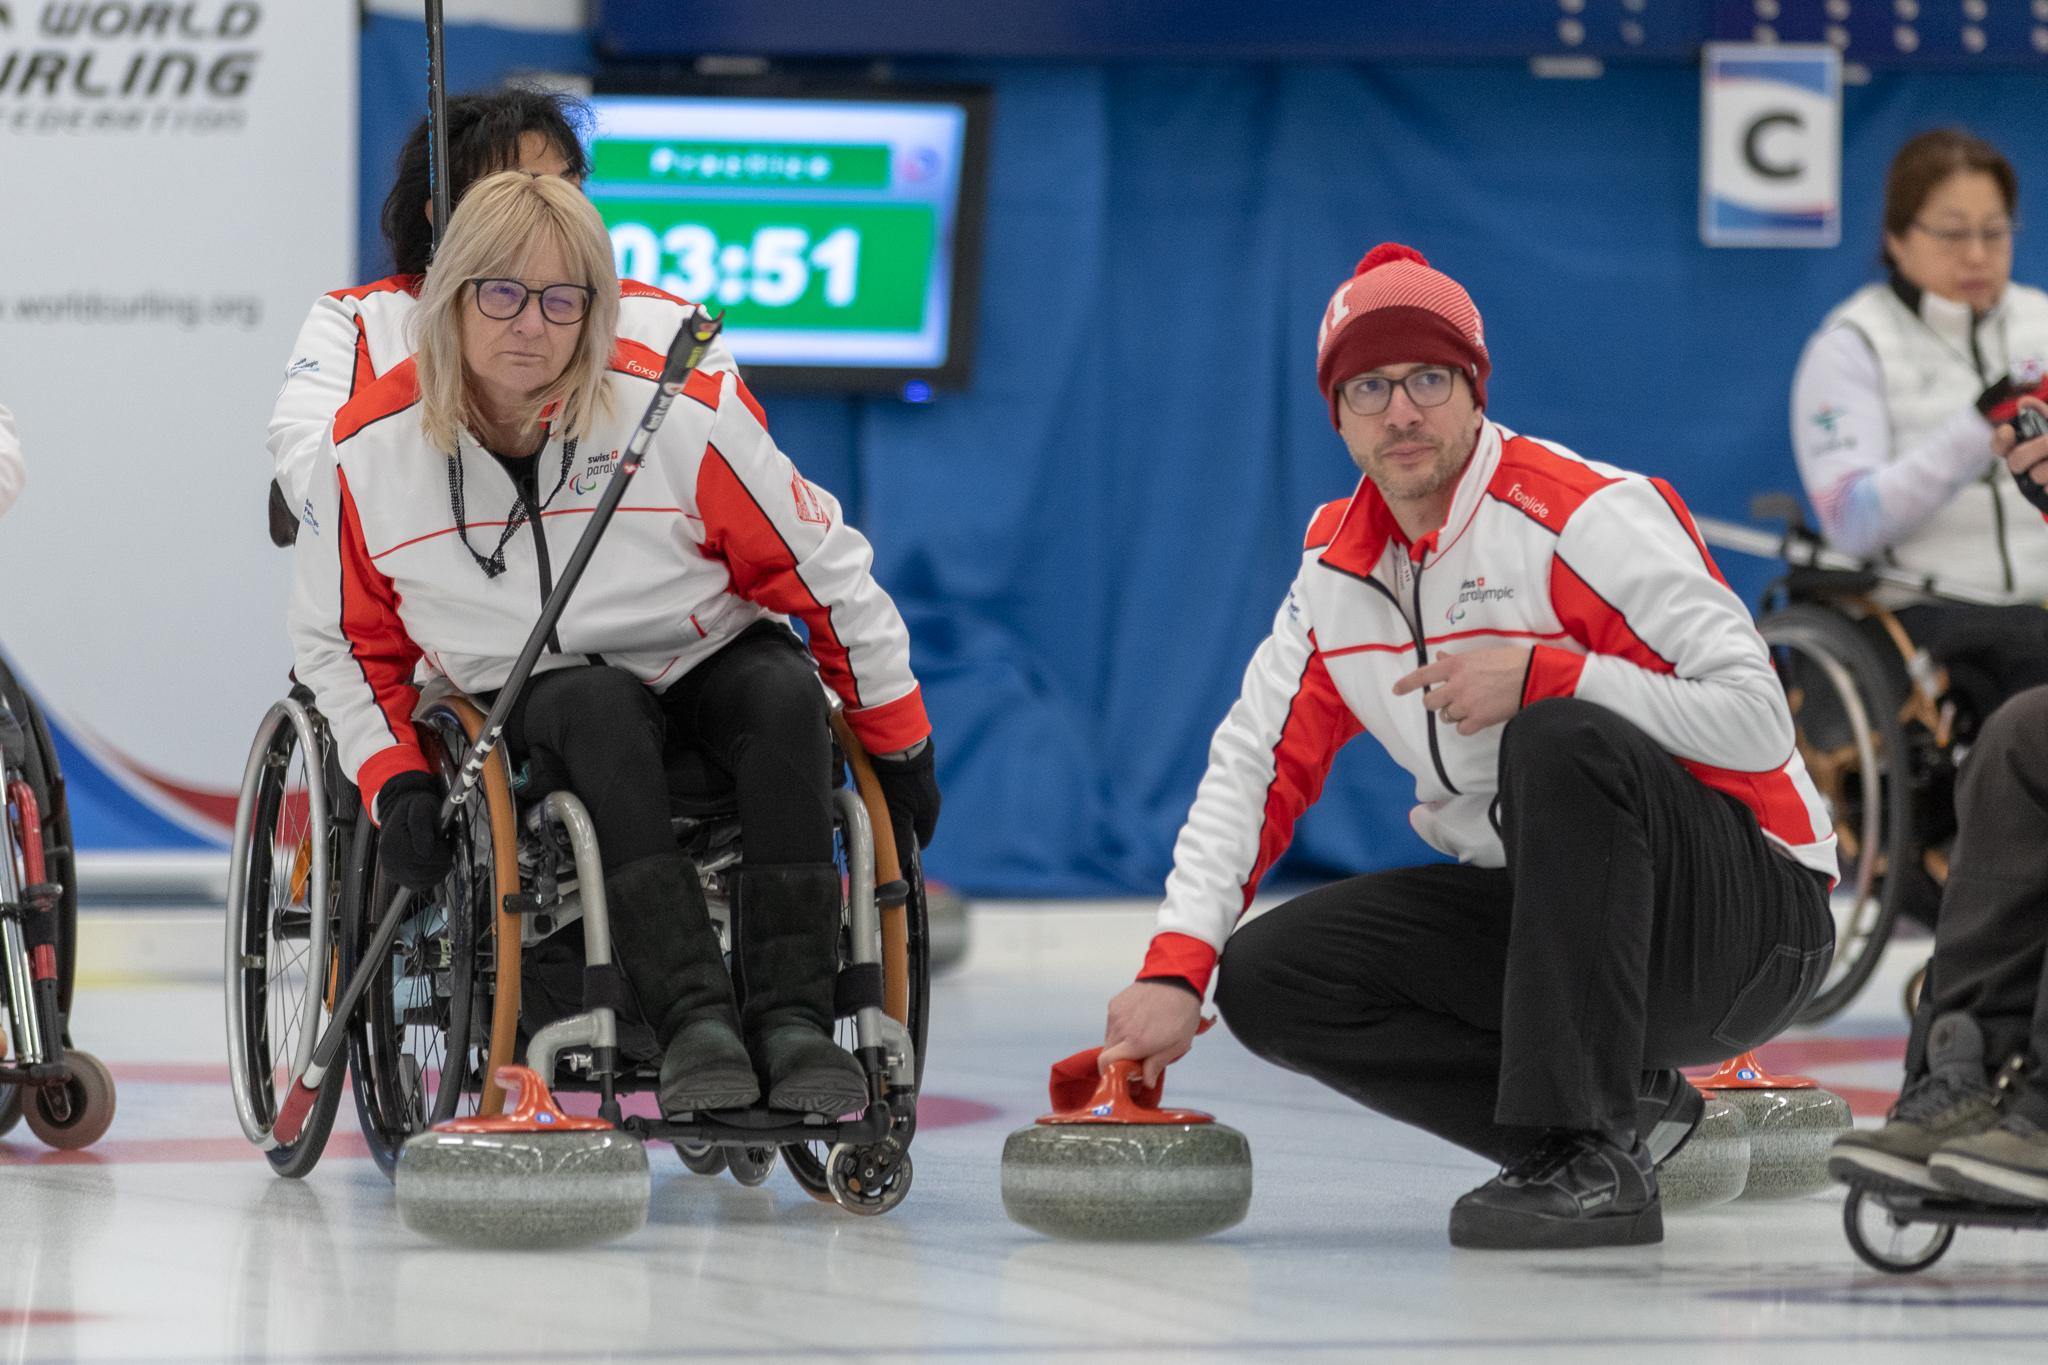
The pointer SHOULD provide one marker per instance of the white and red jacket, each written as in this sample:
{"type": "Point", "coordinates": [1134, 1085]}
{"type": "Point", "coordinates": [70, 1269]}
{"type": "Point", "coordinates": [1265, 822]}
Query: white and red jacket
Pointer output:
{"type": "Point", "coordinates": [717, 531]}
{"type": "Point", "coordinates": [1599, 570]}
{"type": "Point", "coordinates": [354, 335]}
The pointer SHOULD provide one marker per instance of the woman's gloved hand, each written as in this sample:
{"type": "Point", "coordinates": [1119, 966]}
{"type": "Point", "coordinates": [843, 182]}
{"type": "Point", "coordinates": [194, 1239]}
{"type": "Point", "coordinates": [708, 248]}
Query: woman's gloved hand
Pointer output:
{"type": "Point", "coordinates": [910, 784]}
{"type": "Point", "coordinates": [412, 848]}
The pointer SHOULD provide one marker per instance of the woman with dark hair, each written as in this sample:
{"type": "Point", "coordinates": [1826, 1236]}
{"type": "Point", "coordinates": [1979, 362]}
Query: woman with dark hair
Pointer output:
{"type": "Point", "coordinates": [354, 335]}
{"type": "Point", "coordinates": [1894, 395]}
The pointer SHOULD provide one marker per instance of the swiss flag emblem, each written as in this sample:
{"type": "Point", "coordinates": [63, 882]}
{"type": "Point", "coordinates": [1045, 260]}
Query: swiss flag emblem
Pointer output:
{"type": "Point", "coordinates": [808, 506]}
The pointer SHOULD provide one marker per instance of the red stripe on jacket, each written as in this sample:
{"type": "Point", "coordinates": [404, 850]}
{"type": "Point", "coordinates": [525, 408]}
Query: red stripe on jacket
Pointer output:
{"type": "Point", "coordinates": [1595, 623]}
{"type": "Point", "coordinates": [1772, 797]}
{"type": "Point", "coordinates": [396, 390]}
{"type": "Point", "coordinates": [390, 284]}
{"type": "Point", "coordinates": [1542, 484]}
{"type": "Point", "coordinates": [1318, 724]}
{"type": "Point", "coordinates": [365, 373]}
{"type": "Point", "coordinates": [381, 649]}
{"type": "Point", "coordinates": [763, 567]}
{"type": "Point", "coordinates": [1322, 527]}
{"type": "Point", "coordinates": [1684, 515]}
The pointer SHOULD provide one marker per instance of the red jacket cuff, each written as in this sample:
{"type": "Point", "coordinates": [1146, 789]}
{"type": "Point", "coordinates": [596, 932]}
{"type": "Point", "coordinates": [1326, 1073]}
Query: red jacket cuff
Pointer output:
{"type": "Point", "coordinates": [1180, 955]}
{"type": "Point", "coordinates": [382, 767]}
{"type": "Point", "coordinates": [1552, 673]}
{"type": "Point", "coordinates": [891, 726]}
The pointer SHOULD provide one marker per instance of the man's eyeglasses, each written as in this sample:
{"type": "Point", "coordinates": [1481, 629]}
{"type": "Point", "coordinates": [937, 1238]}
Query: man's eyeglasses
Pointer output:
{"type": "Point", "coordinates": [1995, 238]}
{"type": "Point", "coordinates": [1369, 394]}
{"type": "Point", "coordinates": [562, 304]}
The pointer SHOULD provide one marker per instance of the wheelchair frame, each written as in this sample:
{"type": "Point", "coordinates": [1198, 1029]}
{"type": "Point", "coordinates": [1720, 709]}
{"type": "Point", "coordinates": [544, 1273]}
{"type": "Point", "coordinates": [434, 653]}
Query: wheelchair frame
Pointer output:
{"type": "Point", "coordinates": [468, 942]}
{"type": "Point", "coordinates": [66, 1095]}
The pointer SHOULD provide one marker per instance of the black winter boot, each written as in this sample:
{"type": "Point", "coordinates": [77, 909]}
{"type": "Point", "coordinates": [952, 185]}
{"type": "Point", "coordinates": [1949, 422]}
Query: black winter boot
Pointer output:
{"type": "Point", "coordinates": [662, 936]}
{"type": "Point", "coordinates": [789, 934]}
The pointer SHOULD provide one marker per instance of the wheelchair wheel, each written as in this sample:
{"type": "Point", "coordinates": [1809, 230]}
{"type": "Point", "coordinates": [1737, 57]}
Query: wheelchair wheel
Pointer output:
{"type": "Point", "coordinates": [701, 1158]}
{"type": "Point", "coordinates": [809, 1163]}
{"type": "Point", "coordinates": [1889, 1243]}
{"type": "Point", "coordinates": [1847, 726]}
{"type": "Point", "coordinates": [46, 779]}
{"type": "Point", "coordinates": [282, 946]}
{"type": "Point", "coordinates": [750, 1166]}
{"type": "Point", "coordinates": [420, 1047]}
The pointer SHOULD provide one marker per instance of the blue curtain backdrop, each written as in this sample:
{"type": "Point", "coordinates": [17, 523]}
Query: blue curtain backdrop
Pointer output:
{"type": "Point", "coordinates": [1089, 544]}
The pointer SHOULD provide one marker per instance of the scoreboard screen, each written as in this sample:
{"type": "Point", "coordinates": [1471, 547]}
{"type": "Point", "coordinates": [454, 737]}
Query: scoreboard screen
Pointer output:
{"type": "Point", "coordinates": [837, 235]}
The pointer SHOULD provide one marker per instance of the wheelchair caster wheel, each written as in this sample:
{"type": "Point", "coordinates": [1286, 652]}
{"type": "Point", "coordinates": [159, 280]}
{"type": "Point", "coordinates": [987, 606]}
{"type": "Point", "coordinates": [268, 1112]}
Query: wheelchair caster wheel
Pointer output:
{"type": "Point", "coordinates": [868, 1180]}
{"type": "Point", "coordinates": [75, 1114]}
{"type": "Point", "coordinates": [749, 1165]}
{"type": "Point", "coordinates": [701, 1158]}
{"type": "Point", "coordinates": [1887, 1242]}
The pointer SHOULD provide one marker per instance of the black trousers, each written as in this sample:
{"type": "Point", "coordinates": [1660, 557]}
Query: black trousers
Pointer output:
{"type": "Point", "coordinates": [1642, 921]}
{"type": "Point", "coordinates": [1992, 937]}
{"type": "Point", "coordinates": [753, 711]}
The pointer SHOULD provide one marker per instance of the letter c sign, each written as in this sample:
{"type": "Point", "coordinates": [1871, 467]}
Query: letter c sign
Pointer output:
{"type": "Point", "coordinates": [1753, 154]}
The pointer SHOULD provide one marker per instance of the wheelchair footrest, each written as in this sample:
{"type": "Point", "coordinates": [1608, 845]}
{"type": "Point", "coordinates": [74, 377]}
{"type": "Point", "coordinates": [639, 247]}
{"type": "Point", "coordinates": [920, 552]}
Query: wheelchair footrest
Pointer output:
{"type": "Point", "coordinates": [761, 1128]}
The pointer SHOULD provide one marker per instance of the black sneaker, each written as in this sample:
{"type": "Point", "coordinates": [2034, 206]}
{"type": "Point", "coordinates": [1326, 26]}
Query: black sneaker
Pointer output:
{"type": "Point", "coordinates": [1571, 1189]}
{"type": "Point", "coordinates": [1668, 1110]}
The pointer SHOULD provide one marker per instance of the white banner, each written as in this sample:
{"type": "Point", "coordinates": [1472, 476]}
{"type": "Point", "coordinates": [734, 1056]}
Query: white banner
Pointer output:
{"type": "Point", "coordinates": [1771, 145]}
{"type": "Point", "coordinates": [180, 183]}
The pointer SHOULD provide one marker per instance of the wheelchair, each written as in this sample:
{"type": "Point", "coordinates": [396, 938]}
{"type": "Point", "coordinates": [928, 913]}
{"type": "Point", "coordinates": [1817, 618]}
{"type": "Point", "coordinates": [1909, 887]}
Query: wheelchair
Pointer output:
{"type": "Point", "coordinates": [445, 1010]}
{"type": "Point", "coordinates": [1881, 727]}
{"type": "Point", "coordinates": [67, 1096]}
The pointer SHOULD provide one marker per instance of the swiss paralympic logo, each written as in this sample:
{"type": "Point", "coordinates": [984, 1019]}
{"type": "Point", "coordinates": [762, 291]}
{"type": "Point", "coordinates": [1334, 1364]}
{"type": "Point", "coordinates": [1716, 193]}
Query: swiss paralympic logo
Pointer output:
{"type": "Point", "coordinates": [1475, 592]}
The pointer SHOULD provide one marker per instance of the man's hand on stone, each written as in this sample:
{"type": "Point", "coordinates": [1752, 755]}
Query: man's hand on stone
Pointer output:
{"type": "Point", "coordinates": [1473, 690]}
{"type": "Point", "coordinates": [1152, 1022]}
{"type": "Point", "coordinates": [2026, 459]}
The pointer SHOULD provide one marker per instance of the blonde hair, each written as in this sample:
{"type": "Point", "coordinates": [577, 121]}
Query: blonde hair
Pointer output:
{"type": "Point", "coordinates": [493, 234]}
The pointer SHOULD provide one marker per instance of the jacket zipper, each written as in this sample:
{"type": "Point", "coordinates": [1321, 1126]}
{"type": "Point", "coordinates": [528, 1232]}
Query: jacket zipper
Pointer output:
{"type": "Point", "coordinates": [529, 493]}
{"type": "Point", "coordinates": [1421, 658]}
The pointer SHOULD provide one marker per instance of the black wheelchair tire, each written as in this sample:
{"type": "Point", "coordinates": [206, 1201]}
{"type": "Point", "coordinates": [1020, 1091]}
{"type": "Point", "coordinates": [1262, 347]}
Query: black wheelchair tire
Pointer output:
{"type": "Point", "coordinates": [376, 1035]}
{"type": "Point", "coordinates": [1814, 630]}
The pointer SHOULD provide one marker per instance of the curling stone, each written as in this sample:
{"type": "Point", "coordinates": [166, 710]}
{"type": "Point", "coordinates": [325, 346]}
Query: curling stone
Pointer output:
{"type": "Point", "coordinates": [531, 1178]}
{"type": "Point", "coordinates": [1792, 1124]}
{"type": "Point", "coordinates": [1713, 1165]}
{"type": "Point", "coordinates": [1112, 1166]}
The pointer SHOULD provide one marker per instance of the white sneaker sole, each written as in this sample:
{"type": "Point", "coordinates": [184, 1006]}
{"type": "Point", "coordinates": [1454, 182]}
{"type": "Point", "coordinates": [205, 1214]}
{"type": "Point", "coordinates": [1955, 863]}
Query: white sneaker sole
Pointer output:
{"type": "Point", "coordinates": [1986, 1180]}
{"type": "Point", "coordinates": [1897, 1169]}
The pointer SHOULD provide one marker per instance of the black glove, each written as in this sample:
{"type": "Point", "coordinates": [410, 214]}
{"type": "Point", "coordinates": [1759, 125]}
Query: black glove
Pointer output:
{"type": "Point", "coordinates": [911, 787]}
{"type": "Point", "coordinates": [414, 851]}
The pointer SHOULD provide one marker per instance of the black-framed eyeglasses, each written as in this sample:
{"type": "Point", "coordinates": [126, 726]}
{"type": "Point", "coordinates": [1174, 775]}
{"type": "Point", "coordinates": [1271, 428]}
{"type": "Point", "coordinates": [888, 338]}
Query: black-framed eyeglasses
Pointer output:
{"type": "Point", "coordinates": [562, 304]}
{"type": "Point", "coordinates": [1994, 238]}
{"type": "Point", "coordinates": [1369, 394]}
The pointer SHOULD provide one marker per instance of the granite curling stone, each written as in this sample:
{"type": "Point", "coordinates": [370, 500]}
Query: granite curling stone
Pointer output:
{"type": "Point", "coordinates": [1114, 1167]}
{"type": "Point", "coordinates": [1792, 1122]}
{"type": "Point", "coordinates": [1713, 1165]}
{"type": "Point", "coordinates": [532, 1179]}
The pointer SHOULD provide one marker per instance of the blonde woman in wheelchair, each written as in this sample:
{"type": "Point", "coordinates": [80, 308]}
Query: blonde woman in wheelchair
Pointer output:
{"type": "Point", "coordinates": [448, 494]}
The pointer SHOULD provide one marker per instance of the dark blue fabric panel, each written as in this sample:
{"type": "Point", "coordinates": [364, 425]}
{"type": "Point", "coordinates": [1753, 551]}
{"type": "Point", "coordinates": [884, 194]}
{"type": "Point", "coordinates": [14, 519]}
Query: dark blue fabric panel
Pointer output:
{"type": "Point", "coordinates": [394, 97]}
{"type": "Point", "coordinates": [1089, 543]}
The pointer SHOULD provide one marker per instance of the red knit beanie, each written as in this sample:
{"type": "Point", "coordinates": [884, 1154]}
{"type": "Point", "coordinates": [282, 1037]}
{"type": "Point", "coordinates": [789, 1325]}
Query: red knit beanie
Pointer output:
{"type": "Point", "coordinates": [1395, 310]}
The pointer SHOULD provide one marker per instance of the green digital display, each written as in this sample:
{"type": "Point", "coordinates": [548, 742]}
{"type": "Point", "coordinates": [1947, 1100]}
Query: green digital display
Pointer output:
{"type": "Point", "coordinates": [822, 229]}
{"type": "Point", "coordinates": [850, 267]}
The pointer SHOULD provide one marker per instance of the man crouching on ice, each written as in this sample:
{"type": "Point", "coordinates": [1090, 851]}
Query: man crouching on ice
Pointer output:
{"type": "Point", "coordinates": [1597, 736]}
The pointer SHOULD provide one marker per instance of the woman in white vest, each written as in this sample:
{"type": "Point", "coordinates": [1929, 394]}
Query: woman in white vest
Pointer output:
{"type": "Point", "coordinates": [1892, 446]}
{"type": "Point", "coordinates": [1889, 414]}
